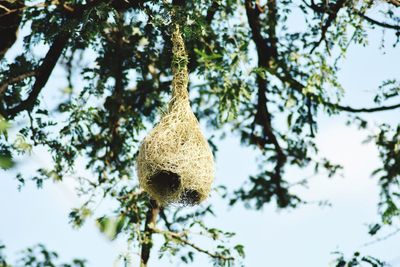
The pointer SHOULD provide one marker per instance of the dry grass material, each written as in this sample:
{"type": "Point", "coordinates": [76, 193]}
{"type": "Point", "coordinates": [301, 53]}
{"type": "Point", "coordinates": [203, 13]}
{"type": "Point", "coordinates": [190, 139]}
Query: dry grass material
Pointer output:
{"type": "Point", "coordinates": [175, 163]}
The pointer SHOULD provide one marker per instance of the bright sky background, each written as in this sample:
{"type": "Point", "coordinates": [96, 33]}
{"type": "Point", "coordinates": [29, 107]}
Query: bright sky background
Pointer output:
{"type": "Point", "coordinates": [302, 237]}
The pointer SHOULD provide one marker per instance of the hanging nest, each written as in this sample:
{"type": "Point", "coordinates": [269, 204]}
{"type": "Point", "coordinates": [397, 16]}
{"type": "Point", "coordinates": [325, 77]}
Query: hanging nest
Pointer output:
{"type": "Point", "coordinates": [175, 163]}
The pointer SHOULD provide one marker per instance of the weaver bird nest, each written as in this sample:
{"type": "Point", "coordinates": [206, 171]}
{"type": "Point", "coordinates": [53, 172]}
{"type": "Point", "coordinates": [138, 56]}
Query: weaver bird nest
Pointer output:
{"type": "Point", "coordinates": [175, 163]}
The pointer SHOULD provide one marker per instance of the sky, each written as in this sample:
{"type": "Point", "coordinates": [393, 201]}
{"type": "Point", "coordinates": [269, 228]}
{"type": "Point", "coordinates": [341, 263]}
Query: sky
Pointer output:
{"type": "Point", "coordinates": [305, 236]}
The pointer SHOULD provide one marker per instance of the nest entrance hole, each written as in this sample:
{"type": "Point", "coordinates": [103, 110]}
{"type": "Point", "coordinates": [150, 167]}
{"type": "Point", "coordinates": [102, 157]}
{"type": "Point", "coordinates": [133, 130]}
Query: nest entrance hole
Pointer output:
{"type": "Point", "coordinates": [165, 182]}
{"type": "Point", "coordinates": [190, 197]}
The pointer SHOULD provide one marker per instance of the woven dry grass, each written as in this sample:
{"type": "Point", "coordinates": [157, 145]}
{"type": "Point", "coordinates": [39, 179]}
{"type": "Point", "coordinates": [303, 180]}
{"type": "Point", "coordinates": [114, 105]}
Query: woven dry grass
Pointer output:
{"type": "Point", "coordinates": [175, 163]}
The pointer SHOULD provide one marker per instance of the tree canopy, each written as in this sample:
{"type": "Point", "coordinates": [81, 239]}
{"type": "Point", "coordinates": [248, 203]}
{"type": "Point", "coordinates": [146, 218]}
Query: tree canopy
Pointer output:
{"type": "Point", "coordinates": [252, 73]}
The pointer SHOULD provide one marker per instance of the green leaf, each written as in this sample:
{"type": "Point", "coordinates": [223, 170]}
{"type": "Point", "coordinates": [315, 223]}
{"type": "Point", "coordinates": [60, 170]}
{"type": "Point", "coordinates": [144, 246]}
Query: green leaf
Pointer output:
{"type": "Point", "coordinates": [4, 125]}
{"type": "Point", "coordinates": [111, 226]}
{"type": "Point", "coordinates": [6, 162]}
{"type": "Point", "coordinates": [240, 250]}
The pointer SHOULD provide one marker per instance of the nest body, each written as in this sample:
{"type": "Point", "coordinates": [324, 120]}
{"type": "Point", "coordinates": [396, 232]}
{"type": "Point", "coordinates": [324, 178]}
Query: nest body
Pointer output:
{"type": "Point", "coordinates": [175, 163]}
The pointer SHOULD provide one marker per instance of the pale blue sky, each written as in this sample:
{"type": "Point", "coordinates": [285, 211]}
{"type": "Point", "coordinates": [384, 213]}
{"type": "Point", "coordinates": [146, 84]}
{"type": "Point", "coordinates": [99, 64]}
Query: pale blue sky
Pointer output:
{"type": "Point", "coordinates": [302, 237]}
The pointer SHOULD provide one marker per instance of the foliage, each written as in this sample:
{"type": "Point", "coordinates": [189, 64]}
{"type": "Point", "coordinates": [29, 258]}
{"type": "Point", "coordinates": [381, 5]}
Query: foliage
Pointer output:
{"type": "Point", "coordinates": [116, 57]}
{"type": "Point", "coordinates": [358, 260]}
{"type": "Point", "coordinates": [38, 256]}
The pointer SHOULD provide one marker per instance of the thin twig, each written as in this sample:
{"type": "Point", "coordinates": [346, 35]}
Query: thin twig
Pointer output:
{"type": "Point", "coordinates": [16, 79]}
{"type": "Point", "coordinates": [382, 238]}
{"type": "Point", "coordinates": [181, 238]}
{"type": "Point", "coordinates": [362, 110]}
{"type": "Point", "coordinates": [379, 23]}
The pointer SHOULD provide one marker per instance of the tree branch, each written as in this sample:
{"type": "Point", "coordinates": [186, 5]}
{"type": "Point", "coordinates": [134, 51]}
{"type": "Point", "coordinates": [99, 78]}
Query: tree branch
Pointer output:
{"type": "Point", "coordinates": [42, 75]}
{"type": "Point", "coordinates": [178, 3]}
{"type": "Point", "coordinates": [264, 51]}
{"type": "Point", "coordinates": [285, 77]}
{"type": "Point", "coordinates": [114, 103]}
{"type": "Point", "coordinates": [396, 3]}
{"type": "Point", "coordinates": [151, 218]}
{"type": "Point", "coordinates": [331, 18]}
{"type": "Point", "coordinates": [268, 59]}
{"type": "Point", "coordinates": [272, 22]}
{"type": "Point", "coordinates": [267, 55]}
{"type": "Point", "coordinates": [375, 22]}
{"type": "Point", "coordinates": [16, 79]}
{"type": "Point", "coordinates": [38, 5]}
{"type": "Point", "coordinates": [211, 11]}
{"type": "Point", "coordinates": [45, 69]}
{"type": "Point", "coordinates": [321, 9]}
{"type": "Point", "coordinates": [163, 216]}
{"type": "Point", "coordinates": [362, 110]}
{"type": "Point", "coordinates": [380, 239]}
{"type": "Point", "coordinates": [181, 237]}
{"type": "Point", "coordinates": [9, 24]}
